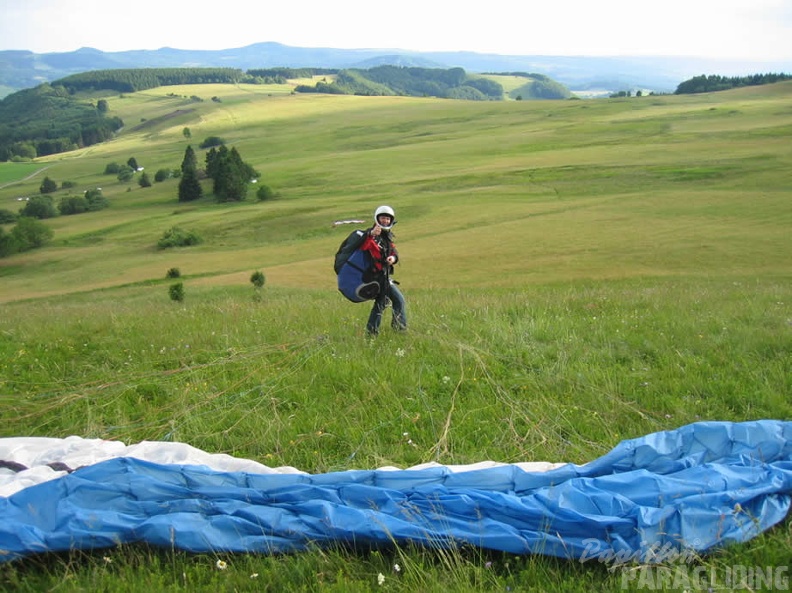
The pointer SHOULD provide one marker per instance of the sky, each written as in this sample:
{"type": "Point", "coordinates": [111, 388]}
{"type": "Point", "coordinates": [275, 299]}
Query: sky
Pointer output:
{"type": "Point", "coordinates": [754, 30]}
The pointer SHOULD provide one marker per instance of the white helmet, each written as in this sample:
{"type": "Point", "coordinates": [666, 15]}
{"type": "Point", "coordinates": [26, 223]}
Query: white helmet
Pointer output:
{"type": "Point", "coordinates": [385, 210]}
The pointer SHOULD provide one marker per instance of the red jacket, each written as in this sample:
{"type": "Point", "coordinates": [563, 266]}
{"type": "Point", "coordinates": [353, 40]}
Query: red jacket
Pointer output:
{"type": "Point", "coordinates": [379, 248]}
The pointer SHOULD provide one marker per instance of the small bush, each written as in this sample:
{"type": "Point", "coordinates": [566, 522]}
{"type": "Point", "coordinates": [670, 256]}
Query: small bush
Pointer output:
{"type": "Point", "coordinates": [173, 273]}
{"type": "Point", "coordinates": [178, 237]}
{"type": "Point", "coordinates": [6, 216]}
{"type": "Point", "coordinates": [48, 186]}
{"type": "Point", "coordinates": [96, 200]}
{"type": "Point", "coordinates": [39, 207]}
{"type": "Point", "coordinates": [30, 233]}
{"type": "Point", "coordinates": [264, 192]}
{"type": "Point", "coordinates": [257, 279]}
{"type": "Point", "coordinates": [73, 205]}
{"type": "Point", "coordinates": [212, 141]}
{"type": "Point", "coordinates": [176, 292]}
{"type": "Point", "coordinates": [125, 173]}
{"type": "Point", "coordinates": [162, 175]}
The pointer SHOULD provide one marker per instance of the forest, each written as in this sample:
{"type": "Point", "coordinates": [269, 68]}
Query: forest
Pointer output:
{"type": "Point", "coordinates": [713, 82]}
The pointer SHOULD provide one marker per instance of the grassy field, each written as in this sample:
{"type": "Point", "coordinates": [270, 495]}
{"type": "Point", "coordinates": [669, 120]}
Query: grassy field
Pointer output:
{"type": "Point", "coordinates": [576, 273]}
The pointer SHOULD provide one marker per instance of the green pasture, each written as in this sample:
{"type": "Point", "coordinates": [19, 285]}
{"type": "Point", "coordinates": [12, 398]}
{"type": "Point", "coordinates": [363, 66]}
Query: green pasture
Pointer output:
{"type": "Point", "coordinates": [11, 173]}
{"type": "Point", "coordinates": [565, 190]}
{"type": "Point", "coordinates": [576, 273]}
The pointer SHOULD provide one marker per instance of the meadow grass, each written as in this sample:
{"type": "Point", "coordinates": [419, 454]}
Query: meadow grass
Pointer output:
{"type": "Point", "coordinates": [11, 173]}
{"type": "Point", "coordinates": [577, 273]}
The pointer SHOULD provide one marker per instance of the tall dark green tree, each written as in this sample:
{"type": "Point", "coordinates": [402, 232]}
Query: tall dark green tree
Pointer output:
{"type": "Point", "coordinates": [189, 186]}
{"type": "Point", "coordinates": [213, 156]}
{"type": "Point", "coordinates": [230, 176]}
{"type": "Point", "coordinates": [189, 161]}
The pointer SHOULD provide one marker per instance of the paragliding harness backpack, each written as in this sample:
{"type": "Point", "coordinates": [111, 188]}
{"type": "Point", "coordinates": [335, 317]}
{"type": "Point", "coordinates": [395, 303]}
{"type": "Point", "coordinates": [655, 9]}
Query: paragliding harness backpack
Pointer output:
{"type": "Point", "coordinates": [358, 278]}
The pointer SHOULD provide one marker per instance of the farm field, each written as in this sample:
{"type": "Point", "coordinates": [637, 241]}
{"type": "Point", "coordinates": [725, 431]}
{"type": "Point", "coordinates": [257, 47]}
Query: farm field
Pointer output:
{"type": "Point", "coordinates": [576, 273]}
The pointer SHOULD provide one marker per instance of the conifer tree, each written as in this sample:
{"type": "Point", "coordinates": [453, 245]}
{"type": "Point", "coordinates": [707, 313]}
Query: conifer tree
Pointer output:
{"type": "Point", "coordinates": [189, 186]}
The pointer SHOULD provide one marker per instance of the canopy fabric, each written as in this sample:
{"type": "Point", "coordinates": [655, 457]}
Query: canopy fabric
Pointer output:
{"type": "Point", "coordinates": [692, 489]}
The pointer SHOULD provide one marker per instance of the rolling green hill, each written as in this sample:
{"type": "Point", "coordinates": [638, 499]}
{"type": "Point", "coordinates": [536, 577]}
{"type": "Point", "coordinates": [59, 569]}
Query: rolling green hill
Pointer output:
{"type": "Point", "coordinates": [612, 188]}
{"type": "Point", "coordinates": [576, 273]}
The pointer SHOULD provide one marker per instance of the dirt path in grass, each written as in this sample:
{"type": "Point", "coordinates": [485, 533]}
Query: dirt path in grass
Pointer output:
{"type": "Point", "coordinates": [33, 174]}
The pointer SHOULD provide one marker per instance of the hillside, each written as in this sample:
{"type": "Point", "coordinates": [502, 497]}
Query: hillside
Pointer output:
{"type": "Point", "coordinates": [578, 274]}
{"type": "Point", "coordinates": [62, 116]}
{"type": "Point", "coordinates": [25, 69]}
{"type": "Point", "coordinates": [596, 175]}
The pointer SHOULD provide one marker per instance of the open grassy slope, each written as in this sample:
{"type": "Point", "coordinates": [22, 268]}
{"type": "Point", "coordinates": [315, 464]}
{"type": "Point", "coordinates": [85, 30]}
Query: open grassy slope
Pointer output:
{"type": "Point", "coordinates": [576, 273]}
{"type": "Point", "coordinates": [538, 190]}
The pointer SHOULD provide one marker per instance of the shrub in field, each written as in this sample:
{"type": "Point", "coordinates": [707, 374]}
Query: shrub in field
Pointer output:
{"type": "Point", "coordinates": [125, 173]}
{"type": "Point", "coordinates": [178, 237]}
{"type": "Point", "coordinates": [28, 234]}
{"type": "Point", "coordinates": [173, 273]}
{"type": "Point", "coordinates": [7, 216]}
{"type": "Point", "coordinates": [39, 207]}
{"type": "Point", "coordinates": [73, 205]}
{"type": "Point", "coordinates": [7, 245]}
{"type": "Point", "coordinates": [162, 175]}
{"type": "Point", "coordinates": [212, 141]}
{"type": "Point", "coordinates": [264, 192]}
{"type": "Point", "coordinates": [96, 200]}
{"type": "Point", "coordinates": [176, 292]}
{"type": "Point", "coordinates": [48, 186]}
{"type": "Point", "coordinates": [257, 279]}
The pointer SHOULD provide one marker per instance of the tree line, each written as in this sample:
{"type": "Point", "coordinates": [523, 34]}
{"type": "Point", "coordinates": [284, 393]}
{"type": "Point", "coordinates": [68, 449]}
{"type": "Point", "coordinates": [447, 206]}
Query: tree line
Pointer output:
{"type": "Point", "coordinates": [453, 83]}
{"type": "Point", "coordinates": [713, 82]}
{"type": "Point", "coordinates": [140, 79]}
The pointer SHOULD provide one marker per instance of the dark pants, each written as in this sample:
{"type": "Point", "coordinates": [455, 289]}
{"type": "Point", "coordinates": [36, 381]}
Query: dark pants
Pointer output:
{"type": "Point", "coordinates": [399, 321]}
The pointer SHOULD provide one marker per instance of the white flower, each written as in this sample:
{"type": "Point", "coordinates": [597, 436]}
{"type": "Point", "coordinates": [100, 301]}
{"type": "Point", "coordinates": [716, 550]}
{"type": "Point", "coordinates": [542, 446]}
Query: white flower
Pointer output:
{"type": "Point", "coordinates": [446, 379]}
{"type": "Point", "coordinates": [221, 565]}
{"type": "Point", "coordinates": [254, 575]}
{"type": "Point", "coordinates": [400, 352]}
{"type": "Point", "coordinates": [396, 568]}
{"type": "Point", "coordinates": [380, 578]}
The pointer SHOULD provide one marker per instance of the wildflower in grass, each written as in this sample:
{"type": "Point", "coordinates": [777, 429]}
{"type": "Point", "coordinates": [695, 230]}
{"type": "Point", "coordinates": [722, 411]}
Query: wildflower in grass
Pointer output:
{"type": "Point", "coordinates": [380, 578]}
{"type": "Point", "coordinates": [254, 575]}
{"type": "Point", "coordinates": [221, 565]}
{"type": "Point", "coordinates": [488, 564]}
{"type": "Point", "coordinates": [446, 379]}
{"type": "Point", "coordinates": [400, 353]}
{"type": "Point", "coordinates": [107, 559]}
{"type": "Point", "coordinates": [396, 568]}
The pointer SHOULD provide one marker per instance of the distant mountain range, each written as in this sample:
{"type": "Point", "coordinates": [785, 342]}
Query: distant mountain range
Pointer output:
{"type": "Point", "coordinates": [20, 69]}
